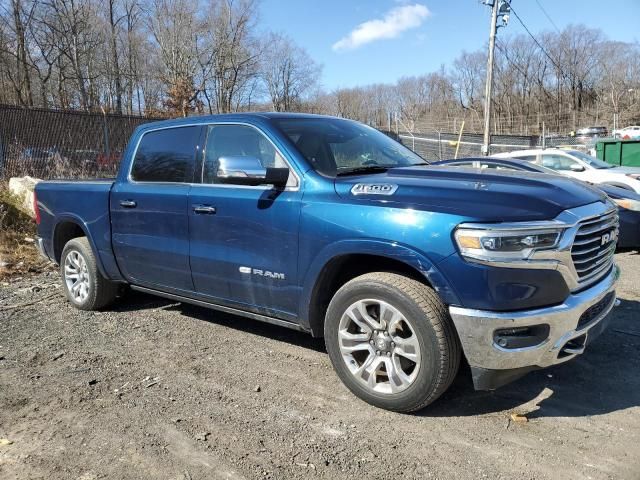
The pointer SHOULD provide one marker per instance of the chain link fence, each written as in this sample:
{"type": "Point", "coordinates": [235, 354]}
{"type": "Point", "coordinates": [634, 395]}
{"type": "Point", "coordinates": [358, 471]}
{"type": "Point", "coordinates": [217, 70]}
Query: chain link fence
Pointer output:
{"type": "Point", "coordinates": [53, 144]}
{"type": "Point", "coordinates": [443, 146]}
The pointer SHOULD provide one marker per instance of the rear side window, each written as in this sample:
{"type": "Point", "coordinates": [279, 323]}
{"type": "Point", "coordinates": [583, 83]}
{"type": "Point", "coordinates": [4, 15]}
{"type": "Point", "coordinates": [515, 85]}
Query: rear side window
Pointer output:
{"type": "Point", "coordinates": [528, 158]}
{"type": "Point", "coordinates": [166, 156]}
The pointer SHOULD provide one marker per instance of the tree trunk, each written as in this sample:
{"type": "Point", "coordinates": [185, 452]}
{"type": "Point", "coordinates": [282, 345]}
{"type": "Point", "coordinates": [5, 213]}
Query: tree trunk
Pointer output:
{"type": "Point", "coordinates": [114, 59]}
{"type": "Point", "coordinates": [24, 78]}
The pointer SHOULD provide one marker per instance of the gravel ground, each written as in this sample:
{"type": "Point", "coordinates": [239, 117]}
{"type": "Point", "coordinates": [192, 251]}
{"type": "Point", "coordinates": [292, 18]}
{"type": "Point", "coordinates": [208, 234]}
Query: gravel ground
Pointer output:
{"type": "Point", "coordinates": [154, 389]}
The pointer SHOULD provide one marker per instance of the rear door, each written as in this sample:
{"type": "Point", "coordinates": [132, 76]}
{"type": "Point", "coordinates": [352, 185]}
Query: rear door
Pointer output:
{"type": "Point", "coordinates": [244, 239]}
{"type": "Point", "coordinates": [149, 211]}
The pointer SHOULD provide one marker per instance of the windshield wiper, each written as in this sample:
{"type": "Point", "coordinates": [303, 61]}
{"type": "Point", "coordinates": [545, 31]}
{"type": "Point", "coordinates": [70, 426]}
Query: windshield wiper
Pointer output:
{"type": "Point", "coordinates": [365, 169]}
{"type": "Point", "coordinates": [376, 168]}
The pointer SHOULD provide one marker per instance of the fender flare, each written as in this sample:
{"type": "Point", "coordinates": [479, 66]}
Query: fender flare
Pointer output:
{"type": "Point", "coordinates": [73, 218]}
{"type": "Point", "coordinates": [392, 250]}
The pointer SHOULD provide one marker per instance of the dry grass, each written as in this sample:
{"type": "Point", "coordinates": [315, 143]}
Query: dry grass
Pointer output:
{"type": "Point", "coordinates": [18, 255]}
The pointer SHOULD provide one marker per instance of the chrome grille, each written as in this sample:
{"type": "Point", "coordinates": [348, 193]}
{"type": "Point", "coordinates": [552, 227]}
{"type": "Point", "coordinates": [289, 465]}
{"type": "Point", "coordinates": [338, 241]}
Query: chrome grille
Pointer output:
{"type": "Point", "coordinates": [592, 255]}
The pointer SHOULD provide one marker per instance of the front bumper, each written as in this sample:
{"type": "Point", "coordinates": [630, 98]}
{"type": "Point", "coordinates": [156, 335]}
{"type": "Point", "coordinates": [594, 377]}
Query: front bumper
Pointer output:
{"type": "Point", "coordinates": [571, 326]}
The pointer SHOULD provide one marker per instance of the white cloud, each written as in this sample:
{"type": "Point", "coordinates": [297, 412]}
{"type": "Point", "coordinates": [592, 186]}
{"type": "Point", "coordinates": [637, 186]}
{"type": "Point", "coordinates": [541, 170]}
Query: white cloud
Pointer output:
{"type": "Point", "coordinates": [396, 21]}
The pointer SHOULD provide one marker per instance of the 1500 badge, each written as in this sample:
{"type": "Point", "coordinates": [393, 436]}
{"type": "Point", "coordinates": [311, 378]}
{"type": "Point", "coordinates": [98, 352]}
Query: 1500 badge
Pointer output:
{"type": "Point", "coordinates": [262, 273]}
{"type": "Point", "coordinates": [373, 189]}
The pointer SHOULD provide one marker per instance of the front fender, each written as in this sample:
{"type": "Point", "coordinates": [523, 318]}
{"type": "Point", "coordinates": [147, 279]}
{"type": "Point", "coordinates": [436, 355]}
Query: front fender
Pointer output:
{"type": "Point", "coordinates": [392, 250]}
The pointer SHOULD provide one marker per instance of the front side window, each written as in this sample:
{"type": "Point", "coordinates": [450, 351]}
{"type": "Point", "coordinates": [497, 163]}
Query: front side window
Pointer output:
{"type": "Point", "coordinates": [238, 141]}
{"type": "Point", "coordinates": [558, 162]}
{"type": "Point", "coordinates": [589, 160]}
{"type": "Point", "coordinates": [335, 146]}
{"type": "Point", "coordinates": [166, 155]}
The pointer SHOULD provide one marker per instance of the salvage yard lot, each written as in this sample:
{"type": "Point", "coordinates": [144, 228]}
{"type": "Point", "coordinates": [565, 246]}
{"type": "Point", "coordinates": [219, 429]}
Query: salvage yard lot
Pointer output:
{"type": "Point", "coordinates": [155, 389]}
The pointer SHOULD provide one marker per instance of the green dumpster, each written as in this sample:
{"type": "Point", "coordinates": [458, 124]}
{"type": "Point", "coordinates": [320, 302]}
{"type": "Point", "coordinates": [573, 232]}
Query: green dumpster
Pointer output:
{"type": "Point", "coordinates": [619, 152]}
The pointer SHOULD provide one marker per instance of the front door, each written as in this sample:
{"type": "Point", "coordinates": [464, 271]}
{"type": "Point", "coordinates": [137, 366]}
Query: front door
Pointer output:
{"type": "Point", "coordinates": [244, 239]}
{"type": "Point", "coordinates": [149, 212]}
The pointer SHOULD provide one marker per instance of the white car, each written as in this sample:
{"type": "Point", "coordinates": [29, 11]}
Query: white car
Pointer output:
{"type": "Point", "coordinates": [632, 132]}
{"type": "Point", "coordinates": [581, 166]}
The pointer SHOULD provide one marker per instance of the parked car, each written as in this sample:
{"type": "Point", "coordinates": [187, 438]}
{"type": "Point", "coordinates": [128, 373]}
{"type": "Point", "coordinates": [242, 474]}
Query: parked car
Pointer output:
{"type": "Point", "coordinates": [628, 133]}
{"type": "Point", "coordinates": [628, 201]}
{"type": "Point", "coordinates": [581, 166]}
{"type": "Point", "coordinates": [588, 134]}
{"type": "Point", "coordinates": [330, 227]}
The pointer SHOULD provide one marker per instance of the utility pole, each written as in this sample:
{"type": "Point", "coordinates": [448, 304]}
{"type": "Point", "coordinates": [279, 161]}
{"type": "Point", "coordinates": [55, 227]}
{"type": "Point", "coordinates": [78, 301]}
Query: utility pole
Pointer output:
{"type": "Point", "coordinates": [501, 9]}
{"type": "Point", "coordinates": [489, 86]}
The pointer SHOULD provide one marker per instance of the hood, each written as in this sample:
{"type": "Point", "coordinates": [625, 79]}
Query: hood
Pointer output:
{"type": "Point", "coordinates": [481, 194]}
{"type": "Point", "coordinates": [624, 170]}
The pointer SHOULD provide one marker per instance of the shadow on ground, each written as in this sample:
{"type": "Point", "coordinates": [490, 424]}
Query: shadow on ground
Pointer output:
{"type": "Point", "coordinates": [601, 381]}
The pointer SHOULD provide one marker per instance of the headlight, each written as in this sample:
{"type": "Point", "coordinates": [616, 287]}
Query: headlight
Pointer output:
{"type": "Point", "coordinates": [627, 204]}
{"type": "Point", "coordinates": [496, 245]}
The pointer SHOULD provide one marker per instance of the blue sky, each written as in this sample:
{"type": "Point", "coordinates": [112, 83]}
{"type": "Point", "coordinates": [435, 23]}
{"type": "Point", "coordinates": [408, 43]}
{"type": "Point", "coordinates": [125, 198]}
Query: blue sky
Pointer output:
{"type": "Point", "coordinates": [420, 35]}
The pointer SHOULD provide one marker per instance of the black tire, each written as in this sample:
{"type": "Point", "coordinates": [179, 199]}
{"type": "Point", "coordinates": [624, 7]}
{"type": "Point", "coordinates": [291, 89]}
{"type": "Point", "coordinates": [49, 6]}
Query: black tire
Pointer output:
{"type": "Point", "coordinates": [439, 357]}
{"type": "Point", "coordinates": [101, 292]}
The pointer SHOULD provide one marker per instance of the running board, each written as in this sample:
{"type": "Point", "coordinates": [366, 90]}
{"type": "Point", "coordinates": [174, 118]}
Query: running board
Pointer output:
{"type": "Point", "coordinates": [221, 308]}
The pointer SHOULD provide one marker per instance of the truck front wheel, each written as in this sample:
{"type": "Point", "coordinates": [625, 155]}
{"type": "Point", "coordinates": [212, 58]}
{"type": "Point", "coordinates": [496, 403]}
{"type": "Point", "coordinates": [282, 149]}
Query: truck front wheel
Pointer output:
{"type": "Point", "coordinates": [83, 284]}
{"type": "Point", "coordinates": [391, 341]}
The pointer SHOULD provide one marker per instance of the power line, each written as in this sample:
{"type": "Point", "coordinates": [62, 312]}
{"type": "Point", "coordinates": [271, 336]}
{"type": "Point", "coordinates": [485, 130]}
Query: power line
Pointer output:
{"type": "Point", "coordinates": [538, 43]}
{"type": "Point", "coordinates": [548, 17]}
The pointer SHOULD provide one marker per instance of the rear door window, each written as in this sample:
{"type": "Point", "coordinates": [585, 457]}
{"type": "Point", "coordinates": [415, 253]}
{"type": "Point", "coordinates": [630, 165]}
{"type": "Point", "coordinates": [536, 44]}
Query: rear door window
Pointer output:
{"type": "Point", "coordinates": [528, 158]}
{"type": "Point", "coordinates": [166, 155]}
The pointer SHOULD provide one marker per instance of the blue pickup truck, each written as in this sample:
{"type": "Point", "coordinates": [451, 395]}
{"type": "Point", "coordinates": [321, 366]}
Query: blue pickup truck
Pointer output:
{"type": "Point", "coordinates": [327, 226]}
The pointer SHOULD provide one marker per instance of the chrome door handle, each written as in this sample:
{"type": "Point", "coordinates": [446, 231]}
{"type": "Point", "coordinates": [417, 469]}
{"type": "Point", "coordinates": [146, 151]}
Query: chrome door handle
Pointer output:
{"type": "Point", "coordinates": [204, 210]}
{"type": "Point", "coordinates": [128, 204]}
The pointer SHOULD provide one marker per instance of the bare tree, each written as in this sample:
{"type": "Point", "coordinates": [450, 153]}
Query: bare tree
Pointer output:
{"type": "Point", "coordinates": [175, 27]}
{"type": "Point", "coordinates": [235, 52]}
{"type": "Point", "coordinates": [16, 17]}
{"type": "Point", "coordinates": [469, 71]}
{"type": "Point", "coordinates": [288, 72]}
{"type": "Point", "coordinates": [72, 24]}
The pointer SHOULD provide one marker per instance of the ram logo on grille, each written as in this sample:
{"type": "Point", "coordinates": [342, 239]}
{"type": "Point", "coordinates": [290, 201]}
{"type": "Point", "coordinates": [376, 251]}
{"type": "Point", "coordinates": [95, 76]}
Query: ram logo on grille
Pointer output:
{"type": "Point", "coordinates": [373, 189]}
{"type": "Point", "coordinates": [609, 237]}
{"type": "Point", "coordinates": [594, 246]}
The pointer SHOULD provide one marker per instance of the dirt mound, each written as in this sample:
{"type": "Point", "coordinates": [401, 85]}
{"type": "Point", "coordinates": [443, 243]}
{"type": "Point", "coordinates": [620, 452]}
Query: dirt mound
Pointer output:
{"type": "Point", "coordinates": [17, 230]}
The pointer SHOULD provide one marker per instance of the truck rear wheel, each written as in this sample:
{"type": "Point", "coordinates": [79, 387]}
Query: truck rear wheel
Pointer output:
{"type": "Point", "coordinates": [83, 284]}
{"type": "Point", "coordinates": [391, 341]}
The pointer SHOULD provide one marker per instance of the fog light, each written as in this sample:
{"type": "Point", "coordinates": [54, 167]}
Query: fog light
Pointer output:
{"type": "Point", "coordinates": [521, 337]}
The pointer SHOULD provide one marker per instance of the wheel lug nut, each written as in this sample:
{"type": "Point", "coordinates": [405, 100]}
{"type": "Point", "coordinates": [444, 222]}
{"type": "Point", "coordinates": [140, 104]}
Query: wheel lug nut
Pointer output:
{"type": "Point", "coordinates": [388, 354]}
{"type": "Point", "coordinates": [377, 352]}
{"type": "Point", "coordinates": [393, 345]}
{"type": "Point", "coordinates": [371, 342]}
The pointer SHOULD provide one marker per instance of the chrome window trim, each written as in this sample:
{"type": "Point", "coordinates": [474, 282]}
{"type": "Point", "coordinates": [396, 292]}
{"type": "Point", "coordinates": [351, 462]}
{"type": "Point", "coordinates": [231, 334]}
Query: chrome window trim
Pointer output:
{"type": "Point", "coordinates": [558, 258]}
{"type": "Point", "coordinates": [207, 124]}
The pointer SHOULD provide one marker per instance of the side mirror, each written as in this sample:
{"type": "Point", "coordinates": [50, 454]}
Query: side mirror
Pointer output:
{"type": "Point", "coordinates": [249, 171]}
{"type": "Point", "coordinates": [576, 168]}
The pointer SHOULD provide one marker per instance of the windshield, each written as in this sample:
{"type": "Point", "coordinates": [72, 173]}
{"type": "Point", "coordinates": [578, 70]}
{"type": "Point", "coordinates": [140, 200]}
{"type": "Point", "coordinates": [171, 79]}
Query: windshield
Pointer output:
{"type": "Point", "coordinates": [591, 161]}
{"type": "Point", "coordinates": [335, 146]}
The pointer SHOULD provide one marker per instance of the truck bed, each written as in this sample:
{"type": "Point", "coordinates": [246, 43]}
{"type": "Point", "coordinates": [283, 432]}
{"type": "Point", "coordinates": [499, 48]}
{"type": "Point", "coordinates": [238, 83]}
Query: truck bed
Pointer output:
{"type": "Point", "coordinates": [85, 202]}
